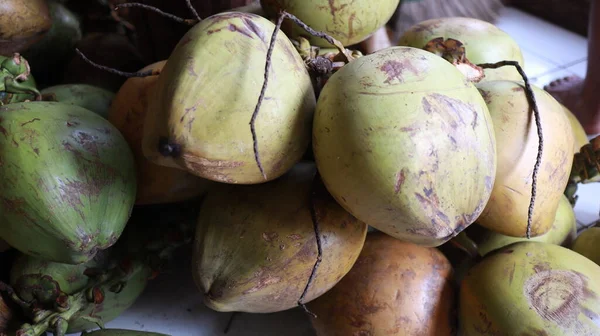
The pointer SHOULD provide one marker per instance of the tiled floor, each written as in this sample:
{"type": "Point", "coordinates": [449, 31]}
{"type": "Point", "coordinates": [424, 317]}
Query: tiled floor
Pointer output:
{"type": "Point", "coordinates": [550, 52]}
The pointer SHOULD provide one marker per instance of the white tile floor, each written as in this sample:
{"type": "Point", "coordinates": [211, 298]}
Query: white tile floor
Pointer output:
{"type": "Point", "coordinates": [167, 306]}
{"type": "Point", "coordinates": [550, 51]}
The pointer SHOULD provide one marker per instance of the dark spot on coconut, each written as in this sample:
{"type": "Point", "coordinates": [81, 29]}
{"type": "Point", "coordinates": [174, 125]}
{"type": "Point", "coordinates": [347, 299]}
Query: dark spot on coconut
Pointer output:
{"type": "Point", "coordinates": [428, 191]}
{"type": "Point", "coordinates": [191, 64]}
{"type": "Point", "coordinates": [541, 267]}
{"type": "Point", "coordinates": [14, 142]}
{"type": "Point", "coordinates": [489, 183]}
{"type": "Point", "coordinates": [17, 206]}
{"type": "Point", "coordinates": [508, 251]}
{"type": "Point", "coordinates": [72, 123]}
{"type": "Point", "coordinates": [400, 177]}
{"type": "Point", "coordinates": [103, 130]}
{"type": "Point", "coordinates": [511, 274]}
{"type": "Point", "coordinates": [294, 236]}
{"type": "Point", "coordinates": [166, 148]}
{"type": "Point", "coordinates": [394, 70]}
{"type": "Point", "coordinates": [409, 273]}
{"type": "Point", "coordinates": [486, 95]}
{"type": "Point", "coordinates": [517, 89]}
{"type": "Point", "coordinates": [2, 129]}
{"type": "Point", "coordinates": [87, 142]}
{"type": "Point", "coordinates": [240, 30]}
{"type": "Point", "coordinates": [269, 236]}
{"type": "Point", "coordinates": [351, 25]}
{"type": "Point", "coordinates": [254, 28]}
{"type": "Point", "coordinates": [475, 118]}
{"type": "Point", "coordinates": [30, 121]}
{"type": "Point", "coordinates": [36, 151]}
{"type": "Point", "coordinates": [555, 295]}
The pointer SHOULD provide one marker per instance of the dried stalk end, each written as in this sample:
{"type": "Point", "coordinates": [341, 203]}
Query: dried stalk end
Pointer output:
{"type": "Point", "coordinates": [454, 52]}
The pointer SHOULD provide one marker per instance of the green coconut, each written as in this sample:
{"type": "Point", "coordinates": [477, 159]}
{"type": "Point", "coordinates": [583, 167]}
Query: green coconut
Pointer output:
{"type": "Point", "coordinates": [562, 232]}
{"type": "Point", "coordinates": [483, 42]}
{"type": "Point", "coordinates": [93, 98]}
{"type": "Point", "coordinates": [108, 293]}
{"type": "Point", "coordinates": [256, 246]}
{"type": "Point", "coordinates": [43, 282]}
{"type": "Point", "coordinates": [405, 143]}
{"type": "Point", "coordinates": [199, 113]}
{"type": "Point", "coordinates": [585, 244]}
{"type": "Point", "coordinates": [348, 21]}
{"type": "Point", "coordinates": [531, 288]}
{"type": "Point", "coordinates": [68, 181]}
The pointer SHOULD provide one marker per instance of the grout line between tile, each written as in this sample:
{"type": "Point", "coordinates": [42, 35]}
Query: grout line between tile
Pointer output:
{"type": "Point", "coordinates": [561, 67]}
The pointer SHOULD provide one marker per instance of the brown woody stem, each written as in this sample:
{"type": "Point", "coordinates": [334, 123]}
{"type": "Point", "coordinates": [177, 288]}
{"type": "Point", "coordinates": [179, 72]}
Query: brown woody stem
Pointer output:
{"type": "Point", "coordinates": [118, 72]}
{"type": "Point", "coordinates": [532, 102]}
{"type": "Point", "coordinates": [193, 10]}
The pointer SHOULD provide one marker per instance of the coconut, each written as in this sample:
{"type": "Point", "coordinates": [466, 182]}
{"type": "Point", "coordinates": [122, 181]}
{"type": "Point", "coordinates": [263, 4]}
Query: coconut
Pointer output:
{"type": "Point", "coordinates": [67, 181]}
{"type": "Point", "coordinates": [22, 24]}
{"type": "Point", "coordinates": [531, 288]}
{"type": "Point", "coordinates": [562, 232]}
{"type": "Point", "coordinates": [517, 148]}
{"type": "Point", "coordinates": [394, 288]}
{"type": "Point", "coordinates": [483, 42]}
{"type": "Point", "coordinates": [405, 143]}
{"type": "Point", "coordinates": [256, 246]}
{"type": "Point", "coordinates": [156, 184]}
{"type": "Point", "coordinates": [348, 21]}
{"type": "Point", "coordinates": [90, 97]}
{"type": "Point", "coordinates": [585, 244]}
{"type": "Point", "coordinates": [199, 114]}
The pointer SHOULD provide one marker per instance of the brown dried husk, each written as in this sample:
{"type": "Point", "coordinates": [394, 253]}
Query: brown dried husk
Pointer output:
{"type": "Point", "coordinates": [517, 148]}
{"type": "Point", "coordinates": [22, 23]}
{"type": "Point", "coordinates": [156, 184]}
{"type": "Point", "coordinates": [394, 288]}
{"type": "Point", "coordinates": [256, 246]}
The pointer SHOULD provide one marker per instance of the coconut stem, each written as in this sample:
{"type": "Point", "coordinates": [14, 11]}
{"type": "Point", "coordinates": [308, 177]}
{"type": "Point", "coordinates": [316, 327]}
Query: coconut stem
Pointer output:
{"type": "Point", "coordinates": [319, 34]}
{"type": "Point", "coordinates": [313, 273]}
{"type": "Point", "coordinates": [262, 95]}
{"type": "Point", "coordinates": [118, 72]}
{"type": "Point", "coordinates": [282, 16]}
{"type": "Point", "coordinates": [536, 113]}
{"type": "Point", "coordinates": [189, 22]}
{"type": "Point", "coordinates": [193, 10]}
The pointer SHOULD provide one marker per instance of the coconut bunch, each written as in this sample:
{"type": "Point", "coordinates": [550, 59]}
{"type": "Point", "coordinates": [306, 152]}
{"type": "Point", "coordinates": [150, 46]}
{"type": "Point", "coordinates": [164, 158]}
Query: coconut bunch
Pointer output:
{"type": "Point", "coordinates": [272, 146]}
